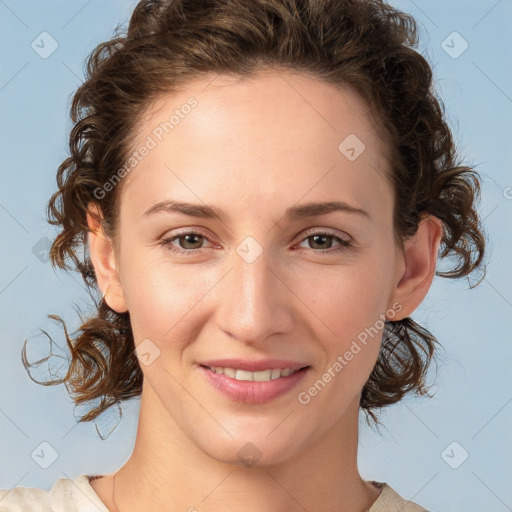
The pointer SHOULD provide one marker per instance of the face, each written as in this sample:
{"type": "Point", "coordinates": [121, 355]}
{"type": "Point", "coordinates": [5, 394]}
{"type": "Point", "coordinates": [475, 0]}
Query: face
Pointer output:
{"type": "Point", "coordinates": [264, 278]}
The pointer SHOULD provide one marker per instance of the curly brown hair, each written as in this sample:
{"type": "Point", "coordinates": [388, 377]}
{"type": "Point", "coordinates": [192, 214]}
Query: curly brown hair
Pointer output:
{"type": "Point", "coordinates": [365, 44]}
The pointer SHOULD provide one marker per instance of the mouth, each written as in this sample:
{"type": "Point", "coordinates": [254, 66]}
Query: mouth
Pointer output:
{"type": "Point", "coordinates": [253, 387]}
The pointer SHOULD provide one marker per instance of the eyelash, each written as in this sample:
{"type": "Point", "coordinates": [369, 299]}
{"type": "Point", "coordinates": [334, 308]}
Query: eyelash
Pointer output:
{"type": "Point", "coordinates": [343, 243]}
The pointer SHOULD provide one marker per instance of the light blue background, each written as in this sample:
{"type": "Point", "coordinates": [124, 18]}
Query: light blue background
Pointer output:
{"type": "Point", "coordinates": [472, 405]}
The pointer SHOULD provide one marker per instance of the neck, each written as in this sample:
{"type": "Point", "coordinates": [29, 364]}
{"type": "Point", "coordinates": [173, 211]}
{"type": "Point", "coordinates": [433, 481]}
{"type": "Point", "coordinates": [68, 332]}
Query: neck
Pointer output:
{"type": "Point", "coordinates": [168, 471]}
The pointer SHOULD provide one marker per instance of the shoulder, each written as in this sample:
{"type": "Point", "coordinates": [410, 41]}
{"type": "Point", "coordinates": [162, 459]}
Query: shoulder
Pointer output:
{"type": "Point", "coordinates": [66, 495]}
{"type": "Point", "coordinates": [390, 501]}
{"type": "Point", "coordinates": [26, 499]}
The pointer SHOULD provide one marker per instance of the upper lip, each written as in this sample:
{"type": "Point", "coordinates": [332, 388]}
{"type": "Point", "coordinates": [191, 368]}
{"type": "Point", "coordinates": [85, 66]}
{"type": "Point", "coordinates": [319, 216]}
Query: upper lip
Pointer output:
{"type": "Point", "coordinates": [254, 366]}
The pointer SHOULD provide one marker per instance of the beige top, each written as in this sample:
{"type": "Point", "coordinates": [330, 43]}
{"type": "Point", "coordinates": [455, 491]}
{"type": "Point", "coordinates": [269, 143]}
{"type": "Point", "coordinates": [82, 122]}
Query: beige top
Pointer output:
{"type": "Point", "coordinates": [77, 495]}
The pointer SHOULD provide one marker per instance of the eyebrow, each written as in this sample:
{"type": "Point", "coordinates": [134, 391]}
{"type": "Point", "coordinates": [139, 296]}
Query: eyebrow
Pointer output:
{"type": "Point", "coordinates": [293, 213]}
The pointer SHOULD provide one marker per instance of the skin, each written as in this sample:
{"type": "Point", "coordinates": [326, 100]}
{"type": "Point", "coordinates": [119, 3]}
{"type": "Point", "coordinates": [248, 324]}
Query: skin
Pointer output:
{"type": "Point", "coordinates": [253, 148]}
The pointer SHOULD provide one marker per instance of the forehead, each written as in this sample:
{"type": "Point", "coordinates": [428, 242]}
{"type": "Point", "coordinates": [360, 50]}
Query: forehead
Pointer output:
{"type": "Point", "coordinates": [258, 134]}
{"type": "Point", "coordinates": [258, 103]}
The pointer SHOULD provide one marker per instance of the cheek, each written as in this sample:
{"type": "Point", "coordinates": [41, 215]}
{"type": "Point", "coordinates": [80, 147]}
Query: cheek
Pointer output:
{"type": "Point", "coordinates": [347, 299]}
{"type": "Point", "coordinates": [348, 312]}
{"type": "Point", "coordinates": [160, 295]}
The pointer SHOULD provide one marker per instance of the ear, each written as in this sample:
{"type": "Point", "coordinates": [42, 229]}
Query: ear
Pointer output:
{"type": "Point", "coordinates": [419, 265]}
{"type": "Point", "coordinates": [101, 250]}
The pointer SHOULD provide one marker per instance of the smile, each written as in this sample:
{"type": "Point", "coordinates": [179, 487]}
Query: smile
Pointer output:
{"type": "Point", "coordinates": [261, 376]}
{"type": "Point", "coordinates": [253, 387]}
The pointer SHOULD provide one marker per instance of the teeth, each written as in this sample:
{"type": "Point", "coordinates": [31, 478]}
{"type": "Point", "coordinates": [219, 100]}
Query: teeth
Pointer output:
{"type": "Point", "coordinates": [262, 376]}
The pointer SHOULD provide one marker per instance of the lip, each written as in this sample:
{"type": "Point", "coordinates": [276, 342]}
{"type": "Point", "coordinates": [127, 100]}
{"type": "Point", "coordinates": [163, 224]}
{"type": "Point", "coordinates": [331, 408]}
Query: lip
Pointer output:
{"type": "Point", "coordinates": [252, 392]}
{"type": "Point", "coordinates": [254, 366]}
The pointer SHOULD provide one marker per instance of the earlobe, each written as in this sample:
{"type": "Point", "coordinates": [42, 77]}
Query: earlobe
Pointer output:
{"type": "Point", "coordinates": [101, 250]}
{"type": "Point", "coordinates": [420, 259]}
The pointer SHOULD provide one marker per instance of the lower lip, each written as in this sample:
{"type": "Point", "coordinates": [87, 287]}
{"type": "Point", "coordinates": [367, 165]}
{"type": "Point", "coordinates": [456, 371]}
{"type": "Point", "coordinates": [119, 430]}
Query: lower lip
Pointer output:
{"type": "Point", "coordinates": [251, 392]}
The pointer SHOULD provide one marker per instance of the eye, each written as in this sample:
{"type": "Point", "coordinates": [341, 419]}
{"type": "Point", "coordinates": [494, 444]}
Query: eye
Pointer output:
{"type": "Point", "coordinates": [324, 242]}
{"type": "Point", "coordinates": [188, 243]}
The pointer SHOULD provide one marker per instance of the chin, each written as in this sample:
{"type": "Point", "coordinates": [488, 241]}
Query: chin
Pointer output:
{"type": "Point", "coordinates": [253, 451]}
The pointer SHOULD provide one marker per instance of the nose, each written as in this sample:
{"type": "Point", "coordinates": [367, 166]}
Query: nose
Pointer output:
{"type": "Point", "coordinates": [254, 301]}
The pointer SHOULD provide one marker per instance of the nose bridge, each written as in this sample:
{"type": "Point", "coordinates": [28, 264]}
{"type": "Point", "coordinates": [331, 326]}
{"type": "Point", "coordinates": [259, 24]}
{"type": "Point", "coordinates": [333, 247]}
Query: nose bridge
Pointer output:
{"type": "Point", "coordinates": [253, 303]}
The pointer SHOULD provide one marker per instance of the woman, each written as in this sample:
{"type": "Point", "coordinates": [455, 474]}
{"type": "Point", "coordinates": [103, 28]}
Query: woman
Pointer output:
{"type": "Point", "coordinates": [263, 189]}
